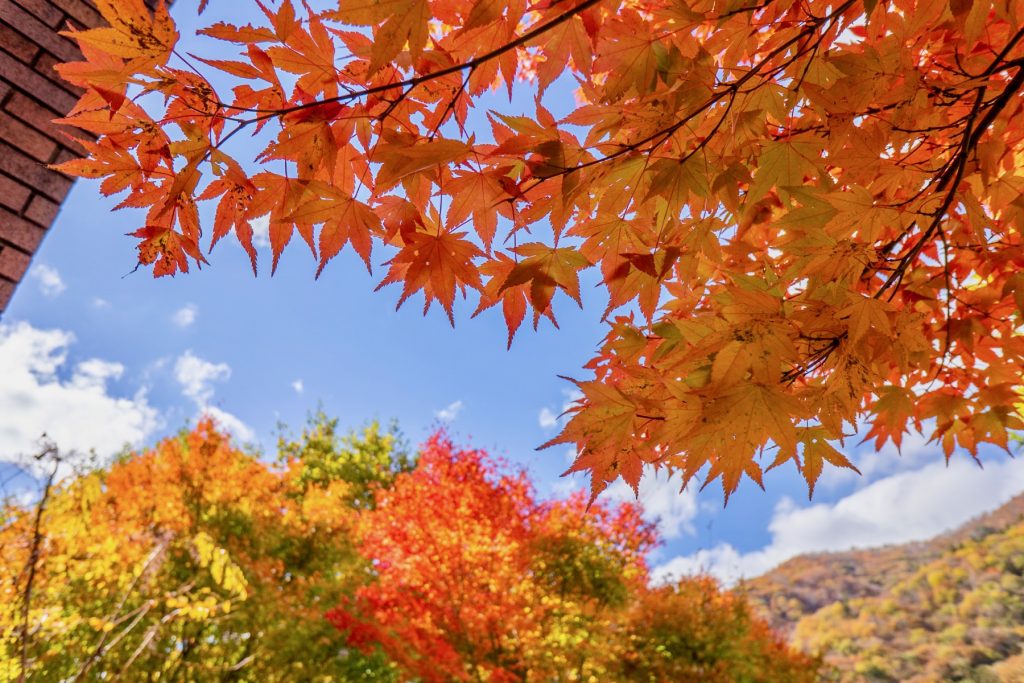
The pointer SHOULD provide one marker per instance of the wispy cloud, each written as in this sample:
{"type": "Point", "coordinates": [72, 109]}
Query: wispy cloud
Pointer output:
{"type": "Point", "coordinates": [548, 418]}
{"type": "Point", "coordinates": [450, 412]}
{"type": "Point", "coordinates": [298, 386]}
{"type": "Point", "coordinates": [261, 231]}
{"type": "Point", "coordinates": [49, 280]}
{"type": "Point", "coordinates": [196, 377]}
{"type": "Point", "coordinates": [663, 500]}
{"type": "Point", "coordinates": [186, 315]}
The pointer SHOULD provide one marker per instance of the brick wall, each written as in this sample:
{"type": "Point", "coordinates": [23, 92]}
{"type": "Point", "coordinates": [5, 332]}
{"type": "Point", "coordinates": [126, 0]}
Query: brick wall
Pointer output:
{"type": "Point", "coordinates": [31, 95]}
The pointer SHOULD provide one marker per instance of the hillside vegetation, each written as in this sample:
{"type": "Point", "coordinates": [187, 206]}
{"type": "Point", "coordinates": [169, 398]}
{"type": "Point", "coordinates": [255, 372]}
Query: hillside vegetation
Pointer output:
{"type": "Point", "coordinates": [948, 609]}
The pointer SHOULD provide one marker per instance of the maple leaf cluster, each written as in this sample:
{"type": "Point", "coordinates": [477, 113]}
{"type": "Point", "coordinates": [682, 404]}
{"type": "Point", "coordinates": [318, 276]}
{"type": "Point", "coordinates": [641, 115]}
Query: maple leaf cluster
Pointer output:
{"type": "Point", "coordinates": [805, 214]}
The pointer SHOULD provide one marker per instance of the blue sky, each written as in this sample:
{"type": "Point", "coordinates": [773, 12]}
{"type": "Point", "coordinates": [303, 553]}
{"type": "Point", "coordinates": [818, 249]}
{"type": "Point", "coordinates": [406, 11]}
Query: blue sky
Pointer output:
{"type": "Point", "coordinates": [98, 355]}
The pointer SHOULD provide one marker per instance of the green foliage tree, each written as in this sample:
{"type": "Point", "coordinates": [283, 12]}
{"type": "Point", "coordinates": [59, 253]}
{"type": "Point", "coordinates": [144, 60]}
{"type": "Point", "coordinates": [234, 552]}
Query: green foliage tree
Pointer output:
{"type": "Point", "coordinates": [692, 631]}
{"type": "Point", "coordinates": [364, 460]}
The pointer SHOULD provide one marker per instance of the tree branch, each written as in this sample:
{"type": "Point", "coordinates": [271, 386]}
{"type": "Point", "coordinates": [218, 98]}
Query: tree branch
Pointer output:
{"type": "Point", "coordinates": [49, 450]}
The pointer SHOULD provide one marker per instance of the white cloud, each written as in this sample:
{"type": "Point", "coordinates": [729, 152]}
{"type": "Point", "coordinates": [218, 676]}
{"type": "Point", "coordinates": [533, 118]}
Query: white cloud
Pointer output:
{"type": "Point", "coordinates": [100, 302]}
{"type": "Point", "coordinates": [74, 406]}
{"type": "Point", "coordinates": [663, 503]}
{"type": "Point", "coordinates": [261, 231]}
{"type": "Point", "coordinates": [566, 486]}
{"type": "Point", "coordinates": [908, 506]}
{"type": "Point", "coordinates": [548, 419]}
{"type": "Point", "coordinates": [298, 386]}
{"type": "Point", "coordinates": [186, 315]}
{"type": "Point", "coordinates": [231, 423]}
{"type": "Point", "coordinates": [722, 561]}
{"type": "Point", "coordinates": [95, 373]}
{"type": "Point", "coordinates": [914, 453]}
{"type": "Point", "coordinates": [196, 377]}
{"type": "Point", "coordinates": [449, 413]}
{"type": "Point", "coordinates": [48, 279]}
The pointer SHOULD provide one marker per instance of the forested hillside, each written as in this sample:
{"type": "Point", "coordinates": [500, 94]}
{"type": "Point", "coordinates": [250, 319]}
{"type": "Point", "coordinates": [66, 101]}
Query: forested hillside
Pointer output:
{"type": "Point", "coordinates": [350, 558]}
{"type": "Point", "coordinates": [948, 609]}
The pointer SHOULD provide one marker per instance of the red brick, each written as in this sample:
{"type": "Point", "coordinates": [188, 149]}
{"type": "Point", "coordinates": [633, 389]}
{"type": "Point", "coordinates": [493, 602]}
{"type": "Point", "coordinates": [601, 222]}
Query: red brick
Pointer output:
{"type": "Point", "coordinates": [42, 35]}
{"type": "Point", "coordinates": [41, 118]}
{"type": "Point", "coordinates": [32, 173]}
{"type": "Point", "coordinates": [6, 290]}
{"type": "Point", "coordinates": [35, 144]}
{"type": "Point", "coordinates": [13, 194]}
{"type": "Point", "coordinates": [18, 45]}
{"type": "Point", "coordinates": [45, 64]}
{"type": "Point", "coordinates": [13, 263]}
{"type": "Point", "coordinates": [19, 231]}
{"type": "Point", "coordinates": [83, 13]}
{"type": "Point", "coordinates": [44, 11]}
{"type": "Point", "coordinates": [42, 210]}
{"type": "Point", "coordinates": [25, 78]}
{"type": "Point", "coordinates": [69, 153]}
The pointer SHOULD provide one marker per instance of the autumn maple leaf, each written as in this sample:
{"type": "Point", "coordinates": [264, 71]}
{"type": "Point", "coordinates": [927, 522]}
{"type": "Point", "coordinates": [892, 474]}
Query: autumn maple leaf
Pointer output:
{"type": "Point", "coordinates": [437, 263]}
{"type": "Point", "coordinates": [134, 32]}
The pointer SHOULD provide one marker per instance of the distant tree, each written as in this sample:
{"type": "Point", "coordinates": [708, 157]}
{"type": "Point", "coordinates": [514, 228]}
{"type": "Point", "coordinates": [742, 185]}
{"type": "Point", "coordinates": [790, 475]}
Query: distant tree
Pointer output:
{"type": "Point", "coordinates": [196, 561]}
{"type": "Point", "coordinates": [955, 615]}
{"type": "Point", "coordinates": [693, 631]}
{"type": "Point", "coordinates": [364, 460]}
{"type": "Point", "coordinates": [805, 215]}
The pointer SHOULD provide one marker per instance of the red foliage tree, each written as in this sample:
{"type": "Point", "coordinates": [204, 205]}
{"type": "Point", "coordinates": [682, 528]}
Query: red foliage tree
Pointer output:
{"type": "Point", "coordinates": [475, 579]}
{"type": "Point", "coordinates": [464, 569]}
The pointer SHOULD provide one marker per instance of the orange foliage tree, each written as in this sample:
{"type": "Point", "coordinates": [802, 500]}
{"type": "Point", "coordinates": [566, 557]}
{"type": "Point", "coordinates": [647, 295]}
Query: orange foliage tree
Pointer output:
{"type": "Point", "coordinates": [474, 579]}
{"type": "Point", "coordinates": [805, 213]}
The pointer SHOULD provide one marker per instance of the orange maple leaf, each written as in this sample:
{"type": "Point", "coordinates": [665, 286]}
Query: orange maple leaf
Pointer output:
{"type": "Point", "coordinates": [134, 32]}
{"type": "Point", "coordinates": [437, 263]}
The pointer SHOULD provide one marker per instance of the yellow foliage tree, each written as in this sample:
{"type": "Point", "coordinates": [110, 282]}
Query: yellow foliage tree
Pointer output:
{"type": "Point", "coordinates": [190, 561]}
